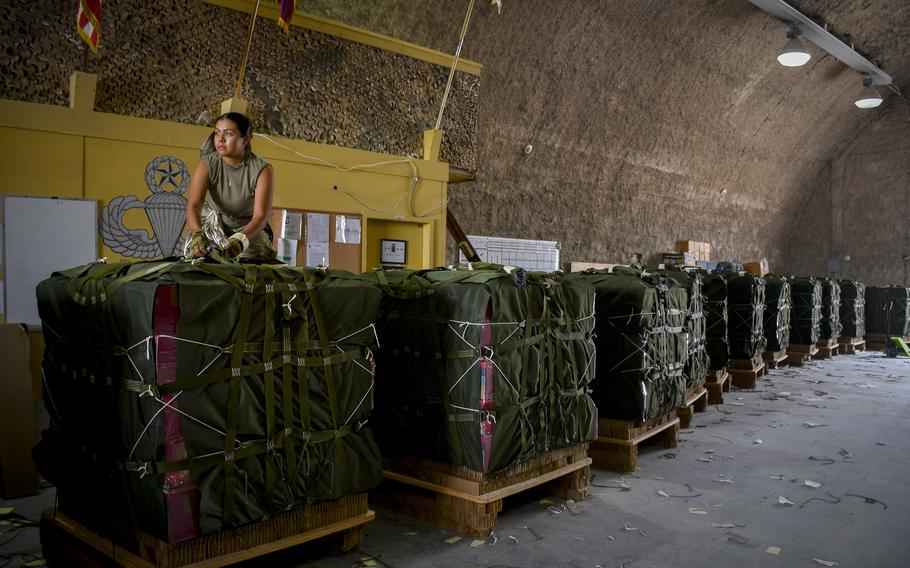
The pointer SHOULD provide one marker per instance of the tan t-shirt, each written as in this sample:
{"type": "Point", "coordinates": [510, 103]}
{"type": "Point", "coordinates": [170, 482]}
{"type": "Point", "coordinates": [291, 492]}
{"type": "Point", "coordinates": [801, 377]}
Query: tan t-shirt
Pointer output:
{"type": "Point", "coordinates": [231, 193]}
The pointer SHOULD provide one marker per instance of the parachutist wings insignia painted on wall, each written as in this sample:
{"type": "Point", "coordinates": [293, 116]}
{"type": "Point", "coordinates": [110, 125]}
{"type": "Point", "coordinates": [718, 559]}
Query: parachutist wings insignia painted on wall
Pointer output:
{"type": "Point", "coordinates": [167, 179]}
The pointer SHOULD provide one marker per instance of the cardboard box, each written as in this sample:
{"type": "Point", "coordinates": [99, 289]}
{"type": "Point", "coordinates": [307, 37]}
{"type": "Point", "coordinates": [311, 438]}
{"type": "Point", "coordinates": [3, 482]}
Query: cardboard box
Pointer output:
{"type": "Point", "coordinates": [701, 250]}
{"type": "Point", "coordinates": [687, 246]}
{"type": "Point", "coordinates": [18, 476]}
{"type": "Point", "coordinates": [757, 267]}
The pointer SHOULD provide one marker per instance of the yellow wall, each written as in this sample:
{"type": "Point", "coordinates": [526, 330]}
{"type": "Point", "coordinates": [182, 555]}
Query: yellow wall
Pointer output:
{"type": "Point", "coordinates": [47, 150]}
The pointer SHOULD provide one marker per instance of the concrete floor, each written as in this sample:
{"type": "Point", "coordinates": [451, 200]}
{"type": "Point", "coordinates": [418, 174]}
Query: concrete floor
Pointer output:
{"type": "Point", "coordinates": [713, 501]}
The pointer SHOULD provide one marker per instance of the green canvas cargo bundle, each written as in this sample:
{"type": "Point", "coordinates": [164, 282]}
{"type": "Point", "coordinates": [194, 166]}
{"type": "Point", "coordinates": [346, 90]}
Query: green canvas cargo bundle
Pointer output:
{"type": "Point", "coordinates": [641, 344]}
{"type": "Point", "coordinates": [483, 368]}
{"type": "Point", "coordinates": [697, 361]}
{"type": "Point", "coordinates": [831, 326]}
{"type": "Point", "coordinates": [714, 290]}
{"type": "Point", "coordinates": [853, 308]}
{"type": "Point", "coordinates": [806, 311]}
{"type": "Point", "coordinates": [189, 398]}
{"type": "Point", "coordinates": [746, 306]}
{"type": "Point", "coordinates": [777, 313]}
{"type": "Point", "coordinates": [888, 310]}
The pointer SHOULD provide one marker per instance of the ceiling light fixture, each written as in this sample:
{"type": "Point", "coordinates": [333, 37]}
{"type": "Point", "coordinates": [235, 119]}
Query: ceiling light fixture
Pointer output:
{"type": "Point", "coordinates": [868, 97]}
{"type": "Point", "coordinates": [794, 53]}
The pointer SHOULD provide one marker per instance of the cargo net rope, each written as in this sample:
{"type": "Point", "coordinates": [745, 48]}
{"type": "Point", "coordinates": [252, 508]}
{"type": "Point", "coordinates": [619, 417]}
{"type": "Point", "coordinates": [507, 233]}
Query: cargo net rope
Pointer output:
{"type": "Point", "coordinates": [777, 314]}
{"type": "Point", "coordinates": [853, 308]}
{"type": "Point", "coordinates": [208, 396]}
{"type": "Point", "coordinates": [806, 314]}
{"type": "Point", "coordinates": [831, 326]}
{"type": "Point", "coordinates": [642, 344]}
{"type": "Point", "coordinates": [483, 366]}
{"type": "Point", "coordinates": [746, 297]}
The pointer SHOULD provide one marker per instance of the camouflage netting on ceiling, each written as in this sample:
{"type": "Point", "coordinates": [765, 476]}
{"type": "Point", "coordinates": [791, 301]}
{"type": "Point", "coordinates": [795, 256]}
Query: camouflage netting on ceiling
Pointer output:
{"type": "Point", "coordinates": [746, 306]}
{"type": "Point", "coordinates": [830, 323]}
{"type": "Point", "coordinates": [806, 314]}
{"type": "Point", "coordinates": [777, 313]}
{"type": "Point", "coordinates": [888, 310]}
{"type": "Point", "coordinates": [642, 347]}
{"type": "Point", "coordinates": [853, 308]}
{"type": "Point", "coordinates": [186, 399]}
{"type": "Point", "coordinates": [159, 59]}
{"type": "Point", "coordinates": [482, 367]}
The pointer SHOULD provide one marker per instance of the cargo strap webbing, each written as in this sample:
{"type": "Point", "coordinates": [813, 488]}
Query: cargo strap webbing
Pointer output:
{"type": "Point", "coordinates": [220, 375]}
{"type": "Point", "coordinates": [269, 384]}
{"type": "Point", "coordinates": [244, 450]}
{"type": "Point", "coordinates": [329, 381]}
{"type": "Point", "coordinates": [230, 438]}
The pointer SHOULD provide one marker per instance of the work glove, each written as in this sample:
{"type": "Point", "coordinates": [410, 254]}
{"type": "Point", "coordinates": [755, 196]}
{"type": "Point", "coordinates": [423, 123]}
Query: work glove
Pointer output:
{"type": "Point", "coordinates": [199, 243]}
{"type": "Point", "coordinates": [237, 243]}
{"type": "Point", "coordinates": [232, 249]}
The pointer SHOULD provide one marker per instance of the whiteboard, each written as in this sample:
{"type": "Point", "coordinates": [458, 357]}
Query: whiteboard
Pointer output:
{"type": "Point", "coordinates": [537, 256]}
{"type": "Point", "coordinates": [42, 235]}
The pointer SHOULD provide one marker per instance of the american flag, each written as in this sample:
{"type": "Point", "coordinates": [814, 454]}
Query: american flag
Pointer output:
{"type": "Point", "coordinates": [88, 22]}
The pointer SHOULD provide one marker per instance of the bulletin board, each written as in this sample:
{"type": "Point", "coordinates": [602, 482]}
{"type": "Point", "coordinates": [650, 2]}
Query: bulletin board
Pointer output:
{"type": "Point", "coordinates": [328, 238]}
{"type": "Point", "coordinates": [42, 235]}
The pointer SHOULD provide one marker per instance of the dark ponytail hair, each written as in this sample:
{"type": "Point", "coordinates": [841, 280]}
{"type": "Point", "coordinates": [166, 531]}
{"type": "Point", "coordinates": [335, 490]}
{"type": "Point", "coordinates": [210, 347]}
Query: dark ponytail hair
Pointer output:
{"type": "Point", "coordinates": [244, 126]}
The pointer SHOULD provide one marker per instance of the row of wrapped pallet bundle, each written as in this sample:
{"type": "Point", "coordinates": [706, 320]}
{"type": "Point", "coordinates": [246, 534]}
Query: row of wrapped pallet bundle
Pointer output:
{"type": "Point", "coordinates": [484, 385]}
{"type": "Point", "coordinates": [852, 316]}
{"type": "Point", "coordinates": [853, 308]}
{"type": "Point", "coordinates": [642, 354]}
{"type": "Point", "coordinates": [745, 306]}
{"type": "Point", "coordinates": [806, 296]}
{"type": "Point", "coordinates": [696, 369]}
{"type": "Point", "coordinates": [642, 347]}
{"type": "Point", "coordinates": [482, 367]}
{"type": "Point", "coordinates": [777, 319]}
{"type": "Point", "coordinates": [186, 399]}
{"type": "Point", "coordinates": [717, 344]}
{"type": "Point", "coordinates": [830, 325]}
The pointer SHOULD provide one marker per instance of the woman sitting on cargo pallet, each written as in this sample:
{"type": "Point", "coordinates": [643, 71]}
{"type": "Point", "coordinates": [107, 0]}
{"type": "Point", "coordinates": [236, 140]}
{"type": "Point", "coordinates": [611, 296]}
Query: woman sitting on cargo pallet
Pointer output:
{"type": "Point", "coordinates": [239, 185]}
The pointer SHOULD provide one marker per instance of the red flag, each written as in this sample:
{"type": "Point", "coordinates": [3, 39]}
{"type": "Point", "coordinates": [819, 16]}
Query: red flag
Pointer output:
{"type": "Point", "coordinates": [285, 13]}
{"type": "Point", "coordinates": [88, 22]}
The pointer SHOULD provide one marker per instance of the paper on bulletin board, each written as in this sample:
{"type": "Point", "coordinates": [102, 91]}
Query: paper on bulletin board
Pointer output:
{"type": "Point", "coordinates": [317, 228]}
{"type": "Point", "coordinates": [291, 225]}
{"type": "Point", "coordinates": [317, 254]}
{"type": "Point", "coordinates": [347, 230]}
{"type": "Point", "coordinates": [287, 251]}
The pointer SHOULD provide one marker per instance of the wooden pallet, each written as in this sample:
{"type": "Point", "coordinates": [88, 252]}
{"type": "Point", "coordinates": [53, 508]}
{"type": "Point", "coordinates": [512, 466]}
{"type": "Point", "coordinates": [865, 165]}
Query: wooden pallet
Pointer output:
{"type": "Point", "coordinates": [68, 542]}
{"type": "Point", "coordinates": [850, 345]}
{"type": "Point", "coordinates": [827, 348]}
{"type": "Point", "coordinates": [696, 400]}
{"type": "Point", "coordinates": [798, 354]}
{"type": "Point", "coordinates": [745, 372]}
{"type": "Point", "coordinates": [879, 341]}
{"type": "Point", "coordinates": [773, 359]}
{"type": "Point", "coordinates": [466, 501]}
{"type": "Point", "coordinates": [616, 448]}
{"type": "Point", "coordinates": [717, 382]}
